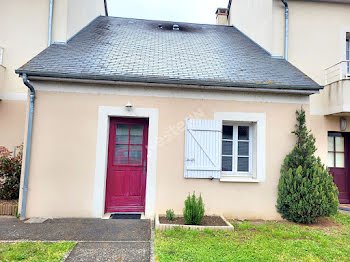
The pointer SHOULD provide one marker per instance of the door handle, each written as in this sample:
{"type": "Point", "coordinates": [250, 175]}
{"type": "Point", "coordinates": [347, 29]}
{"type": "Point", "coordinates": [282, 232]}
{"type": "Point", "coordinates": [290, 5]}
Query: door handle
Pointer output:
{"type": "Point", "coordinates": [144, 167]}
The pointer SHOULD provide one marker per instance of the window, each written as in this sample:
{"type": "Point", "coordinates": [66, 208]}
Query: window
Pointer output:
{"type": "Point", "coordinates": [231, 147]}
{"type": "Point", "coordinates": [236, 148]}
{"type": "Point", "coordinates": [335, 150]}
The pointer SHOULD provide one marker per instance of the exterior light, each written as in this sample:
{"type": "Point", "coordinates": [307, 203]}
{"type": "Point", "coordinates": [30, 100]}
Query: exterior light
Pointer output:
{"type": "Point", "coordinates": [343, 124]}
{"type": "Point", "coordinates": [128, 106]}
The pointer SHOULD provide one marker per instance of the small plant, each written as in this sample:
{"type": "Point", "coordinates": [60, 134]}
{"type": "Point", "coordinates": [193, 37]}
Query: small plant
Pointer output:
{"type": "Point", "coordinates": [194, 210]}
{"type": "Point", "coordinates": [10, 173]}
{"type": "Point", "coordinates": [170, 215]}
{"type": "Point", "coordinates": [306, 190]}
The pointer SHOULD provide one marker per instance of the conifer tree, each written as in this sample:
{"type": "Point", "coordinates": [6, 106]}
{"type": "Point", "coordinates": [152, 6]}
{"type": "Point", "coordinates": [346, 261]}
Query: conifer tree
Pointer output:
{"type": "Point", "coordinates": [306, 190]}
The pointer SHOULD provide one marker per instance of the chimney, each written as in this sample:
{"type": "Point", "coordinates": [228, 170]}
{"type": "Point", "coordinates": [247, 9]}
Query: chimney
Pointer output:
{"type": "Point", "coordinates": [222, 16]}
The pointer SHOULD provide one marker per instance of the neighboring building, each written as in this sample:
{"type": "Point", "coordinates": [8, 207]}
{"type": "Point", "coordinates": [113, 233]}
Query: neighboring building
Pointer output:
{"type": "Point", "coordinates": [24, 32]}
{"type": "Point", "coordinates": [132, 115]}
{"type": "Point", "coordinates": [318, 44]}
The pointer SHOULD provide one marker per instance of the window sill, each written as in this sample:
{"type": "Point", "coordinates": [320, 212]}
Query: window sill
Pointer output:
{"type": "Point", "coordinates": [239, 179]}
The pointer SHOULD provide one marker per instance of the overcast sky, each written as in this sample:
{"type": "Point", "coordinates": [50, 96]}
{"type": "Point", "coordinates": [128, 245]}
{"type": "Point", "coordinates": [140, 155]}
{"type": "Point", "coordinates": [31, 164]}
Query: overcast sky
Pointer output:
{"type": "Point", "coordinates": [194, 11]}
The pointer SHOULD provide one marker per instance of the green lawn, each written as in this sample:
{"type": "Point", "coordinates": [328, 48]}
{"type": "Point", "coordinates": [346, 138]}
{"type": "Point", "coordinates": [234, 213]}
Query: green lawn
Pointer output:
{"type": "Point", "coordinates": [268, 242]}
{"type": "Point", "coordinates": [34, 251]}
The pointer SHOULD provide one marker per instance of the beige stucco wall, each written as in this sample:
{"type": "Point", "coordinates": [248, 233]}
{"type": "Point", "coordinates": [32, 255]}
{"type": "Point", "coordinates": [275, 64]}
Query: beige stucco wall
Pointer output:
{"type": "Point", "coordinates": [23, 34]}
{"type": "Point", "coordinates": [317, 33]}
{"type": "Point", "coordinates": [64, 153]}
{"type": "Point", "coordinates": [254, 18]}
{"type": "Point", "coordinates": [12, 119]}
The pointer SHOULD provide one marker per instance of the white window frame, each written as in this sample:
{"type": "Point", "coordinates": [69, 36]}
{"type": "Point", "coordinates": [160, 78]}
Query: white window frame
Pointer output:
{"type": "Point", "coordinates": [257, 131]}
{"type": "Point", "coordinates": [235, 155]}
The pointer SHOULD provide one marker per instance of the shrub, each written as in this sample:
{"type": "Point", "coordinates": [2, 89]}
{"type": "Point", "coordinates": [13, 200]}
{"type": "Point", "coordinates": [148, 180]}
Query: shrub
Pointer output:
{"type": "Point", "coordinates": [10, 173]}
{"type": "Point", "coordinates": [306, 191]}
{"type": "Point", "coordinates": [194, 210]}
{"type": "Point", "coordinates": [170, 215]}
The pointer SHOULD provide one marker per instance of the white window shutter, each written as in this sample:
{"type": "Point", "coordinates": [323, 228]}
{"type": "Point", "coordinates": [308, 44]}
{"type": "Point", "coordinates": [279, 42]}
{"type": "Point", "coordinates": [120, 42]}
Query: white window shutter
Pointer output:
{"type": "Point", "coordinates": [203, 148]}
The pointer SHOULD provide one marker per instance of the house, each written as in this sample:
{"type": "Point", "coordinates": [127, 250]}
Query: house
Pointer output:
{"type": "Point", "coordinates": [131, 115]}
{"type": "Point", "coordinates": [314, 37]}
{"type": "Point", "coordinates": [34, 24]}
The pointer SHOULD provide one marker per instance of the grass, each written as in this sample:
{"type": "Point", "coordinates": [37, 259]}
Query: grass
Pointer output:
{"type": "Point", "coordinates": [34, 251]}
{"type": "Point", "coordinates": [268, 242]}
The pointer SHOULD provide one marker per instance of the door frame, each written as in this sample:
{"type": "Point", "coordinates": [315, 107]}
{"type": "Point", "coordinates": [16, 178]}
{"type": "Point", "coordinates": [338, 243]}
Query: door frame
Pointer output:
{"type": "Point", "coordinates": [104, 115]}
{"type": "Point", "coordinates": [346, 136]}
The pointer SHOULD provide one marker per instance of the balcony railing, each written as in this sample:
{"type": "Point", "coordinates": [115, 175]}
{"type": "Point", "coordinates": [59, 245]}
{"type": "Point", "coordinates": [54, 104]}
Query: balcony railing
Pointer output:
{"type": "Point", "coordinates": [339, 71]}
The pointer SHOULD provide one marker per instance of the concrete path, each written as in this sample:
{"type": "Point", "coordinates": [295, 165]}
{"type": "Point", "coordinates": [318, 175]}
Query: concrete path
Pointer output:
{"type": "Point", "coordinates": [98, 240]}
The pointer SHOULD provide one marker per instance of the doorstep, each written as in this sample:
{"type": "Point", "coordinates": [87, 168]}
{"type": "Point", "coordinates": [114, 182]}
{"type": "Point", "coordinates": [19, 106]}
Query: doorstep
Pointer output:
{"type": "Point", "coordinates": [108, 215]}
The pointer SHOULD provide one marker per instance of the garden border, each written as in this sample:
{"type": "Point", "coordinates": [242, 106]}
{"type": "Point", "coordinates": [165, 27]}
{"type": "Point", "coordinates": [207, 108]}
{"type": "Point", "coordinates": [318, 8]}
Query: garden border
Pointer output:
{"type": "Point", "coordinates": [8, 208]}
{"type": "Point", "coordinates": [164, 227]}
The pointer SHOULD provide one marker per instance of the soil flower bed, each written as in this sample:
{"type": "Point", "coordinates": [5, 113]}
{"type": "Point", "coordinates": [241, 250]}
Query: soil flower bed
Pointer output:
{"type": "Point", "coordinates": [209, 222]}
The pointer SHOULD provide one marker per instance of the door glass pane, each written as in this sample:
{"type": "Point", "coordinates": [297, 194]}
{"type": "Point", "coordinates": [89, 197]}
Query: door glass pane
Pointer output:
{"type": "Point", "coordinates": [331, 143]}
{"type": "Point", "coordinates": [243, 133]}
{"type": "Point", "coordinates": [121, 154]}
{"type": "Point", "coordinates": [226, 163]}
{"type": "Point", "coordinates": [243, 148]}
{"type": "Point", "coordinates": [339, 160]}
{"type": "Point", "coordinates": [135, 155]}
{"type": "Point", "coordinates": [330, 159]}
{"type": "Point", "coordinates": [227, 147]}
{"type": "Point", "coordinates": [339, 144]}
{"type": "Point", "coordinates": [243, 164]}
{"type": "Point", "coordinates": [122, 134]}
{"type": "Point", "coordinates": [227, 132]}
{"type": "Point", "coordinates": [136, 134]}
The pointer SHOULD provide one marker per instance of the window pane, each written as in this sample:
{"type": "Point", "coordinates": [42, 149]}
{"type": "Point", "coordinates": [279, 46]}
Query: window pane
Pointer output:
{"type": "Point", "coordinates": [136, 134]}
{"type": "Point", "coordinates": [122, 134]}
{"type": "Point", "coordinates": [227, 147]}
{"type": "Point", "coordinates": [243, 133]}
{"type": "Point", "coordinates": [339, 144]}
{"type": "Point", "coordinates": [135, 155]}
{"type": "Point", "coordinates": [121, 154]}
{"type": "Point", "coordinates": [243, 164]}
{"type": "Point", "coordinates": [226, 163]}
{"type": "Point", "coordinates": [339, 160]}
{"type": "Point", "coordinates": [243, 148]}
{"type": "Point", "coordinates": [331, 143]}
{"type": "Point", "coordinates": [227, 132]}
{"type": "Point", "coordinates": [330, 159]}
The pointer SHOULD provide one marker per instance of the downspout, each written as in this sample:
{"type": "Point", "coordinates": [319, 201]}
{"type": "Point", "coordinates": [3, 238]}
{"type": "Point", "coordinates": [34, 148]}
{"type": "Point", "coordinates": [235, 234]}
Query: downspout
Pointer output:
{"type": "Point", "coordinates": [286, 31]}
{"type": "Point", "coordinates": [29, 145]}
{"type": "Point", "coordinates": [50, 23]}
{"type": "Point", "coordinates": [106, 9]}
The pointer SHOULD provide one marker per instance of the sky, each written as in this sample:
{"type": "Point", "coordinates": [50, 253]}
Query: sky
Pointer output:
{"type": "Point", "coordinates": [193, 11]}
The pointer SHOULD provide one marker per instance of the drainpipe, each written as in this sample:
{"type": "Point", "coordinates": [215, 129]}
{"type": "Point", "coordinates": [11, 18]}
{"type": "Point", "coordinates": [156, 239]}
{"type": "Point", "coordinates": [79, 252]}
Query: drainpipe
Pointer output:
{"type": "Point", "coordinates": [286, 32]}
{"type": "Point", "coordinates": [50, 23]}
{"type": "Point", "coordinates": [106, 9]}
{"type": "Point", "coordinates": [29, 145]}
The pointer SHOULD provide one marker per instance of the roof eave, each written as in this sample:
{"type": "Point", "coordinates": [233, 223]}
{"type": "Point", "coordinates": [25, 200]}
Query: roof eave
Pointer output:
{"type": "Point", "coordinates": [184, 83]}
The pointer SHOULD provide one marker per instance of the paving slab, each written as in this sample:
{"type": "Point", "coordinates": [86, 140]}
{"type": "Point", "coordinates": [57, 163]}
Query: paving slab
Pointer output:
{"type": "Point", "coordinates": [76, 229]}
{"type": "Point", "coordinates": [110, 251]}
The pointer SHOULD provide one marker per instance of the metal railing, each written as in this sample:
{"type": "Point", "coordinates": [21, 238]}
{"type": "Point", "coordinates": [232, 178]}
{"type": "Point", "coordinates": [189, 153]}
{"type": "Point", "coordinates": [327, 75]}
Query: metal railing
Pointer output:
{"type": "Point", "coordinates": [339, 71]}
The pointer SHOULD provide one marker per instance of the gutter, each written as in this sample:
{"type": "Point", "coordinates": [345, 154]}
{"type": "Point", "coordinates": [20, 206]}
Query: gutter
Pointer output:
{"type": "Point", "coordinates": [106, 9]}
{"type": "Point", "coordinates": [28, 146]}
{"type": "Point", "coordinates": [286, 30]}
{"type": "Point", "coordinates": [236, 88]}
{"type": "Point", "coordinates": [49, 38]}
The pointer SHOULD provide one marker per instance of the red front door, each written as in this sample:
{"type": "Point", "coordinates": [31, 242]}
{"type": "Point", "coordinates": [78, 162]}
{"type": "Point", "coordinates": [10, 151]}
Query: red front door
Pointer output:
{"type": "Point", "coordinates": [127, 165]}
{"type": "Point", "coordinates": [338, 163]}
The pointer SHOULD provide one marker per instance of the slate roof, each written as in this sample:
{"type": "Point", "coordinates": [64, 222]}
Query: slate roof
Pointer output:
{"type": "Point", "coordinates": [124, 49]}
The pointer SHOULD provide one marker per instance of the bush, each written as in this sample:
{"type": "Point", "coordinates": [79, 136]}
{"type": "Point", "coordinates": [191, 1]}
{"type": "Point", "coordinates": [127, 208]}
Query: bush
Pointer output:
{"type": "Point", "coordinates": [306, 191]}
{"type": "Point", "coordinates": [10, 173]}
{"type": "Point", "coordinates": [170, 215]}
{"type": "Point", "coordinates": [194, 210]}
